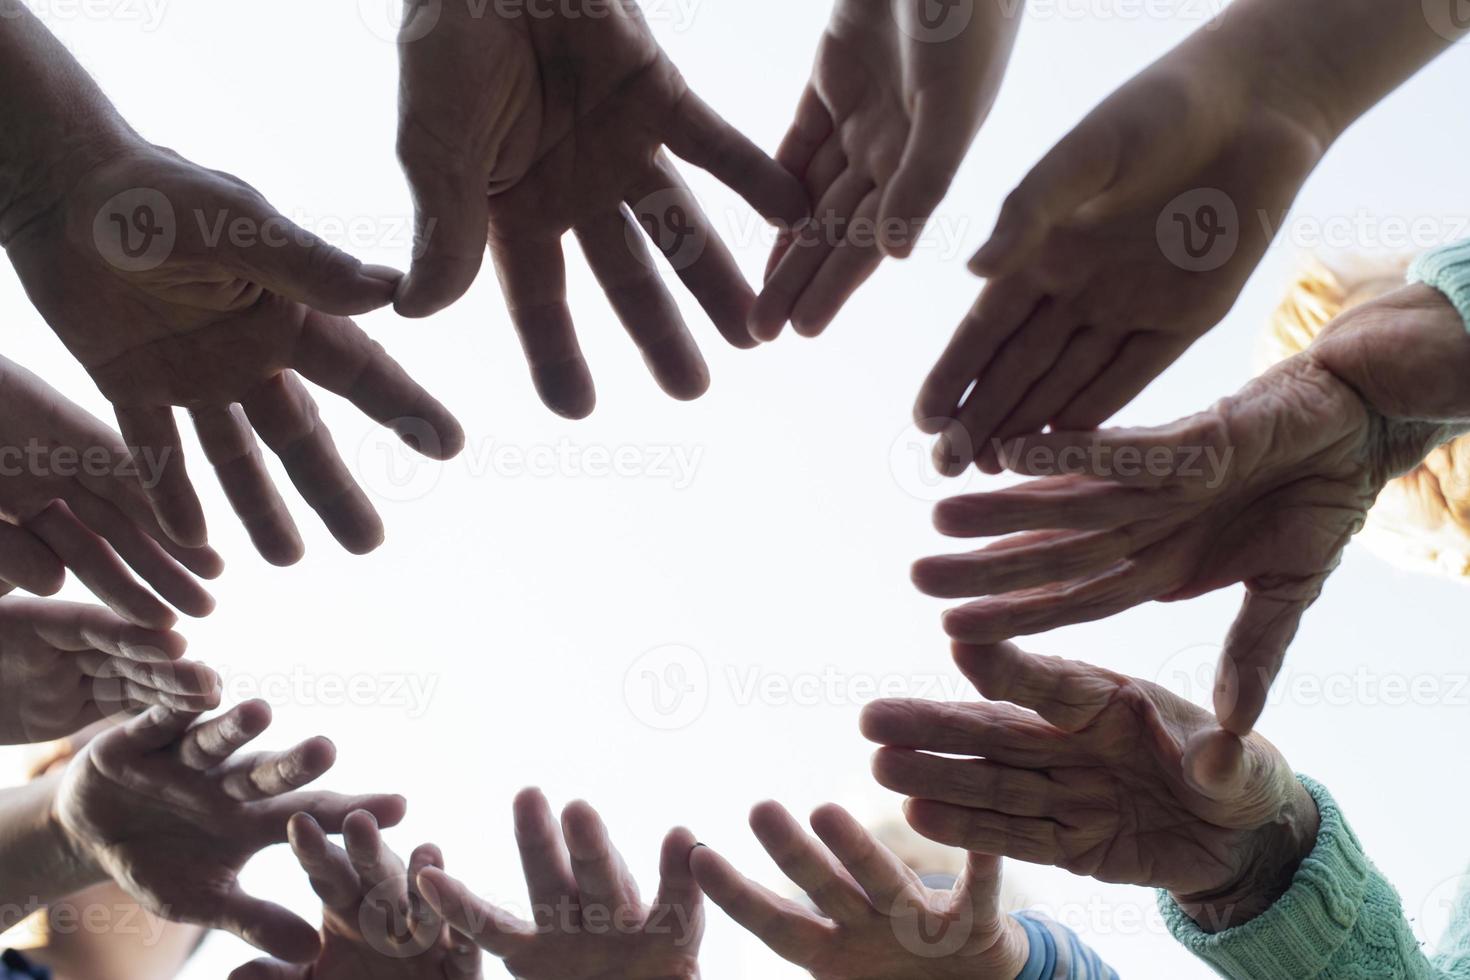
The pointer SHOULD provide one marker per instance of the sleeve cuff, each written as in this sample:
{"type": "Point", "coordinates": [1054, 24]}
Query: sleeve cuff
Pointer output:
{"type": "Point", "coordinates": [1448, 270]}
{"type": "Point", "coordinates": [1301, 933]}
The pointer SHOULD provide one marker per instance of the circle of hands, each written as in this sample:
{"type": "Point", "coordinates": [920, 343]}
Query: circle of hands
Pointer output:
{"type": "Point", "coordinates": [573, 128]}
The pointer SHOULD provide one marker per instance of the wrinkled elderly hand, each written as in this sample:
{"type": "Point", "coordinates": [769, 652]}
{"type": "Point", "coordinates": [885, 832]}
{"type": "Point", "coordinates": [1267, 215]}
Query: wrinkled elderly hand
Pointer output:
{"type": "Point", "coordinates": [1264, 489]}
{"type": "Point", "coordinates": [590, 923]}
{"type": "Point", "coordinates": [899, 90]}
{"type": "Point", "coordinates": [877, 920]}
{"type": "Point", "coordinates": [71, 496]}
{"type": "Point", "coordinates": [64, 666]}
{"type": "Point", "coordinates": [536, 123]}
{"type": "Point", "coordinates": [1124, 245]}
{"type": "Point", "coordinates": [172, 811]}
{"type": "Point", "coordinates": [375, 924]}
{"type": "Point", "coordinates": [1104, 775]}
{"type": "Point", "coordinates": [174, 285]}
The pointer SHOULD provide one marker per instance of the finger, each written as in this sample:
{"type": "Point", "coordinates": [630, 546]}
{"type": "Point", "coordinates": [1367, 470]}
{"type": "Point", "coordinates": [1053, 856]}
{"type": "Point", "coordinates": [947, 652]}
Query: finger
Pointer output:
{"type": "Point", "coordinates": [1153, 457]}
{"type": "Point", "coordinates": [268, 969]}
{"type": "Point", "coordinates": [1074, 502]}
{"type": "Point", "coordinates": [335, 353]}
{"type": "Point", "coordinates": [327, 866]}
{"type": "Point", "coordinates": [980, 889]}
{"type": "Point", "coordinates": [670, 214]}
{"type": "Point", "coordinates": [293, 263]}
{"type": "Point", "coordinates": [277, 773]}
{"type": "Point", "coordinates": [286, 416]}
{"type": "Point", "coordinates": [1142, 358]}
{"type": "Point", "coordinates": [193, 687]}
{"type": "Point", "coordinates": [451, 214]}
{"type": "Point", "coordinates": [1077, 169]}
{"type": "Point", "coordinates": [266, 926]}
{"type": "Point", "coordinates": [153, 439]}
{"type": "Point", "coordinates": [698, 134]}
{"type": "Point", "coordinates": [789, 930]}
{"type": "Point", "coordinates": [75, 626]}
{"type": "Point", "coordinates": [623, 265]}
{"type": "Point", "coordinates": [890, 886]}
{"type": "Point", "coordinates": [382, 875]}
{"type": "Point", "coordinates": [940, 137]}
{"type": "Point", "coordinates": [851, 263]}
{"type": "Point", "coordinates": [810, 132]}
{"type": "Point", "coordinates": [1023, 838]}
{"type": "Point", "coordinates": [26, 562]}
{"type": "Point", "coordinates": [463, 959]}
{"type": "Point", "coordinates": [548, 870]}
{"type": "Point", "coordinates": [425, 920]}
{"type": "Point", "coordinates": [1116, 589]}
{"type": "Point", "coordinates": [1026, 561]}
{"type": "Point", "coordinates": [679, 898]}
{"type": "Point", "coordinates": [602, 878]}
{"type": "Point", "coordinates": [331, 810]}
{"type": "Point", "coordinates": [1254, 652]}
{"type": "Point", "coordinates": [209, 744]}
{"type": "Point", "coordinates": [1003, 306]}
{"type": "Point", "coordinates": [123, 489]}
{"type": "Point", "coordinates": [811, 243]}
{"type": "Point", "coordinates": [533, 276]}
{"type": "Point", "coordinates": [1067, 694]}
{"type": "Point", "coordinates": [808, 864]}
{"type": "Point", "coordinates": [1029, 354]}
{"type": "Point", "coordinates": [144, 555]}
{"type": "Point", "coordinates": [151, 731]}
{"type": "Point", "coordinates": [98, 567]}
{"type": "Point", "coordinates": [492, 930]}
{"type": "Point", "coordinates": [974, 783]}
{"type": "Point", "coordinates": [1003, 733]}
{"type": "Point", "coordinates": [120, 694]}
{"type": "Point", "coordinates": [230, 446]}
{"type": "Point", "coordinates": [1086, 352]}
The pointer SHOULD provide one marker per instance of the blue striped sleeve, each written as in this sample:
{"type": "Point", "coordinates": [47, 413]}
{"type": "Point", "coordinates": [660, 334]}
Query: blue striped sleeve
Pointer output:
{"type": "Point", "coordinates": [1058, 954]}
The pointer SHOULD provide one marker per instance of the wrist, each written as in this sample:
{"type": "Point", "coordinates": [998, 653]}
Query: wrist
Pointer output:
{"type": "Point", "coordinates": [1272, 856]}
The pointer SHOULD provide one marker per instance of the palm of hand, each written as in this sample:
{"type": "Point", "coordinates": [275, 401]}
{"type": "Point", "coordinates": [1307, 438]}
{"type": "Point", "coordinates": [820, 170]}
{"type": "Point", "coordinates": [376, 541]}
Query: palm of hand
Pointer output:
{"type": "Point", "coordinates": [610, 955]}
{"type": "Point", "coordinates": [349, 955]}
{"type": "Point", "coordinates": [925, 929]}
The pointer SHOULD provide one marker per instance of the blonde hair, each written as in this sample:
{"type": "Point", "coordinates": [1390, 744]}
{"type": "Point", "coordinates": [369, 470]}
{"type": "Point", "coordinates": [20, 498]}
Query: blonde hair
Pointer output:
{"type": "Point", "coordinates": [1418, 522]}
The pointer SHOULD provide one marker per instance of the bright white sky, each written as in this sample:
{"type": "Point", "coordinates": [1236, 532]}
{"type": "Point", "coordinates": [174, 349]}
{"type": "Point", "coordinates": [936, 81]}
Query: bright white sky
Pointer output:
{"type": "Point", "coordinates": [494, 633]}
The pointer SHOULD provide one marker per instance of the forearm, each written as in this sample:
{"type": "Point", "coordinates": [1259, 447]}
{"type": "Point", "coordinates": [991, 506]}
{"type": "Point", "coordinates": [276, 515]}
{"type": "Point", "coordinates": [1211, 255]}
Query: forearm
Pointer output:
{"type": "Point", "coordinates": [1333, 60]}
{"type": "Point", "coordinates": [1340, 919]}
{"type": "Point", "coordinates": [57, 124]}
{"type": "Point", "coordinates": [37, 867]}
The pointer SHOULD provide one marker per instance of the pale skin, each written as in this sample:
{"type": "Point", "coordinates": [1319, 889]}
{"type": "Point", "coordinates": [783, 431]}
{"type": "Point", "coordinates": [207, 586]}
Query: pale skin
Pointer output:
{"type": "Point", "coordinates": [1266, 489]}
{"type": "Point", "coordinates": [170, 808]}
{"type": "Point", "coordinates": [895, 101]}
{"type": "Point", "coordinates": [876, 919]}
{"type": "Point", "coordinates": [375, 923]}
{"type": "Point", "coordinates": [179, 286]}
{"type": "Point", "coordinates": [536, 126]}
{"type": "Point", "coordinates": [590, 921]}
{"type": "Point", "coordinates": [1103, 775]}
{"type": "Point", "coordinates": [65, 666]}
{"type": "Point", "coordinates": [1136, 233]}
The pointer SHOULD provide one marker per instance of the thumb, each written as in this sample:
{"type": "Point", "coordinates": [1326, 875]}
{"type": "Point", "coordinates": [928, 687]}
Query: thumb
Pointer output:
{"type": "Point", "coordinates": [1253, 655]}
{"type": "Point", "coordinates": [293, 263]}
{"type": "Point", "coordinates": [451, 223]}
{"type": "Point", "coordinates": [266, 926]}
{"type": "Point", "coordinates": [979, 889]}
{"type": "Point", "coordinates": [940, 139]}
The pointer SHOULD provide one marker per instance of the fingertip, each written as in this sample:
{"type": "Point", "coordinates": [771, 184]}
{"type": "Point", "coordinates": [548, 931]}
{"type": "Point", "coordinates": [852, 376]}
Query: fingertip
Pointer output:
{"type": "Point", "coordinates": [254, 716]}
{"type": "Point", "coordinates": [318, 755]}
{"type": "Point", "coordinates": [282, 552]}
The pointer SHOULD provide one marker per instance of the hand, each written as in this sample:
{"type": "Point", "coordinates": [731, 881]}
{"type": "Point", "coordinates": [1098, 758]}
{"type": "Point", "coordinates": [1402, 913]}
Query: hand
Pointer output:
{"type": "Point", "coordinates": [375, 924]}
{"type": "Point", "coordinates": [1125, 244]}
{"type": "Point", "coordinates": [895, 101]}
{"type": "Point", "coordinates": [1264, 489]}
{"type": "Point", "coordinates": [171, 811]}
{"type": "Point", "coordinates": [533, 126]}
{"type": "Point", "coordinates": [70, 498]}
{"type": "Point", "coordinates": [180, 286]}
{"type": "Point", "coordinates": [590, 922]}
{"type": "Point", "coordinates": [64, 666]}
{"type": "Point", "coordinates": [1111, 777]}
{"type": "Point", "coordinates": [878, 920]}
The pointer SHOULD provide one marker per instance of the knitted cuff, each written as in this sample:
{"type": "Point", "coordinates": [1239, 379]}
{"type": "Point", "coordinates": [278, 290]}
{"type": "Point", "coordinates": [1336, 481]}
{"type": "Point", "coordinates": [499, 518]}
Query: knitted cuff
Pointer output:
{"type": "Point", "coordinates": [1298, 936]}
{"type": "Point", "coordinates": [1448, 270]}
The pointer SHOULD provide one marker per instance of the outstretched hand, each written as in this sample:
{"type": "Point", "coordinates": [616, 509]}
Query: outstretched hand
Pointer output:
{"type": "Point", "coordinates": [877, 920]}
{"type": "Point", "coordinates": [71, 497]}
{"type": "Point", "coordinates": [898, 93]}
{"type": "Point", "coordinates": [536, 125]}
{"type": "Point", "coordinates": [172, 811]}
{"type": "Point", "coordinates": [590, 922]}
{"type": "Point", "coordinates": [375, 923]}
{"type": "Point", "coordinates": [174, 285]}
{"type": "Point", "coordinates": [1108, 776]}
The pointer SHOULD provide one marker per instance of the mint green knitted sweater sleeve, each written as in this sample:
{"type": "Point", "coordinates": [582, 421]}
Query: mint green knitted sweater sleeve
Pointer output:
{"type": "Point", "coordinates": [1340, 920]}
{"type": "Point", "coordinates": [1448, 270]}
